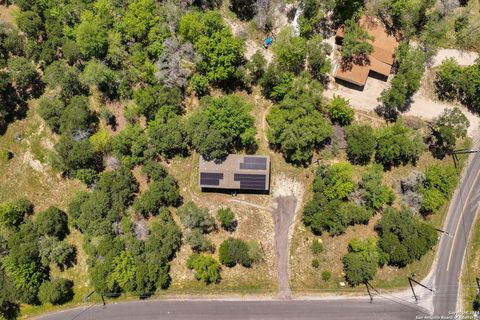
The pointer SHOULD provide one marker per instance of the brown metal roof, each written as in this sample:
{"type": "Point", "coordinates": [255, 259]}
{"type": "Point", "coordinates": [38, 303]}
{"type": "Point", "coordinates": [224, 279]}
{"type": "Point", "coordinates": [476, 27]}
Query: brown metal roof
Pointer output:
{"type": "Point", "coordinates": [382, 57]}
{"type": "Point", "coordinates": [236, 172]}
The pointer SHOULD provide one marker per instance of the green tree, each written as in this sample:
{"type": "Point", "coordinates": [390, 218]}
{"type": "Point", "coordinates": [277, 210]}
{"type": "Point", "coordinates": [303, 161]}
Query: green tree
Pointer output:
{"type": "Point", "coordinates": [290, 51]}
{"type": "Point", "coordinates": [77, 117]}
{"type": "Point", "coordinates": [52, 222]}
{"type": "Point", "coordinates": [206, 268]}
{"type": "Point", "coordinates": [24, 76]}
{"type": "Point", "coordinates": [446, 129]}
{"type": "Point", "coordinates": [30, 23]}
{"type": "Point", "coordinates": [374, 194]}
{"type": "Point", "coordinates": [194, 217]}
{"type": "Point", "coordinates": [397, 144]}
{"type": "Point", "coordinates": [222, 125]}
{"type": "Point", "coordinates": [14, 213]}
{"type": "Point", "coordinates": [356, 41]}
{"type": "Point", "coordinates": [233, 251]}
{"type": "Point", "coordinates": [227, 219]}
{"type": "Point", "coordinates": [221, 54]}
{"type": "Point", "coordinates": [130, 145]}
{"type": "Point", "coordinates": [60, 253]}
{"type": "Point", "coordinates": [56, 291]}
{"type": "Point", "coordinates": [361, 143]}
{"type": "Point", "coordinates": [256, 66]}
{"type": "Point", "coordinates": [317, 57]}
{"type": "Point", "coordinates": [361, 262]}
{"type": "Point", "coordinates": [335, 181]}
{"type": "Point", "coordinates": [404, 238]}
{"type": "Point", "coordinates": [340, 111]}
{"type": "Point", "coordinates": [96, 73]}
{"type": "Point", "coordinates": [91, 35]}
{"type": "Point", "coordinates": [165, 237]}
{"type": "Point", "coordinates": [160, 193]}
{"type": "Point", "coordinates": [60, 75]}
{"type": "Point", "coordinates": [124, 271]}
{"type": "Point", "coordinates": [75, 155]}
{"type": "Point", "coordinates": [198, 241]}
{"type": "Point", "coordinates": [199, 84]}
{"type": "Point", "coordinates": [51, 110]}
{"type": "Point", "coordinates": [447, 79]}
{"type": "Point", "coordinates": [168, 135]}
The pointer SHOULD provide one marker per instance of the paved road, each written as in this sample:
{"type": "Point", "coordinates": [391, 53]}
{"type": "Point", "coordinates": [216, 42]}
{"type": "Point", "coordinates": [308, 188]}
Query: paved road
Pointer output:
{"type": "Point", "coordinates": [234, 310]}
{"type": "Point", "coordinates": [452, 246]}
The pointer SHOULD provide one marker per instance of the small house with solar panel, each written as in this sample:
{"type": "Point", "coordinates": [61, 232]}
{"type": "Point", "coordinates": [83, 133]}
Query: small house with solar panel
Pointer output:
{"type": "Point", "coordinates": [236, 172]}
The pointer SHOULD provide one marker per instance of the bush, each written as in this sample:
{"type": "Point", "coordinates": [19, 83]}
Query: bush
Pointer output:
{"type": "Point", "coordinates": [340, 111]}
{"type": "Point", "coordinates": [315, 263]}
{"type": "Point", "coordinates": [335, 181]}
{"type": "Point", "coordinates": [52, 222]}
{"type": "Point", "coordinates": [361, 143]}
{"type": "Point", "coordinates": [56, 291]}
{"type": "Point", "coordinates": [199, 84]}
{"type": "Point", "coordinates": [206, 268]}
{"type": "Point", "coordinates": [227, 219]}
{"type": "Point", "coordinates": [326, 275]}
{"type": "Point", "coordinates": [440, 181]}
{"type": "Point", "coordinates": [194, 217]}
{"type": "Point", "coordinates": [404, 238]}
{"type": "Point", "coordinates": [198, 241]}
{"type": "Point", "coordinates": [374, 194]}
{"type": "Point", "coordinates": [361, 262]}
{"type": "Point", "coordinates": [233, 251]}
{"type": "Point", "coordinates": [316, 247]}
{"type": "Point", "coordinates": [13, 214]}
{"type": "Point", "coordinates": [397, 144]}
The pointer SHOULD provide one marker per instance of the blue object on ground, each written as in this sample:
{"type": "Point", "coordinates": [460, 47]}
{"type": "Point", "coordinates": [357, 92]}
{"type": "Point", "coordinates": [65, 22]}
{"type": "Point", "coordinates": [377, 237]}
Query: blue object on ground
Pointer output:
{"type": "Point", "coordinates": [268, 41]}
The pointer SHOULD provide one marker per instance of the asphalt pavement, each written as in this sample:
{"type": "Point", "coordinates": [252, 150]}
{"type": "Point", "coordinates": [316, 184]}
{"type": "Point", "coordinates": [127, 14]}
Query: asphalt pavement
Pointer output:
{"type": "Point", "coordinates": [233, 310]}
{"type": "Point", "coordinates": [451, 251]}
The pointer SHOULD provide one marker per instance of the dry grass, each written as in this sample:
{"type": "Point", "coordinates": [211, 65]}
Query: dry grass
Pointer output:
{"type": "Point", "coordinates": [7, 14]}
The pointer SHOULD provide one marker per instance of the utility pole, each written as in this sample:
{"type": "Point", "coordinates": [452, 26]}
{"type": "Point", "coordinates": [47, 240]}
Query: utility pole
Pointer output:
{"type": "Point", "coordinates": [410, 280]}
{"type": "Point", "coordinates": [369, 293]}
{"type": "Point", "coordinates": [478, 285]}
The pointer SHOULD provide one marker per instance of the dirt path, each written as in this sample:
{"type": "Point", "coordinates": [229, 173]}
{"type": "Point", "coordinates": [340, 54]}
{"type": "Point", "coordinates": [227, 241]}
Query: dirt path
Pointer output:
{"type": "Point", "coordinates": [283, 216]}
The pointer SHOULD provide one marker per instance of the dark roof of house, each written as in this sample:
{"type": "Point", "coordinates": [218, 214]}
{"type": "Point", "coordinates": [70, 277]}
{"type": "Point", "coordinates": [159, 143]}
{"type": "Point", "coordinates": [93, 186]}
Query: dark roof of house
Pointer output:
{"type": "Point", "coordinates": [247, 172]}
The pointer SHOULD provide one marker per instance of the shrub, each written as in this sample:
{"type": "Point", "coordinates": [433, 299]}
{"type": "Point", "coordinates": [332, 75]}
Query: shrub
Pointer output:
{"type": "Point", "coordinates": [52, 222]}
{"type": "Point", "coordinates": [374, 194]}
{"type": "Point", "coordinates": [315, 263]}
{"type": "Point", "coordinates": [361, 262]}
{"type": "Point", "coordinates": [361, 143]}
{"type": "Point", "coordinates": [404, 238]}
{"type": "Point", "coordinates": [316, 247]}
{"type": "Point", "coordinates": [13, 213]}
{"type": "Point", "coordinates": [335, 181]}
{"type": "Point", "coordinates": [227, 219]}
{"type": "Point", "coordinates": [206, 268]}
{"type": "Point", "coordinates": [340, 111]}
{"type": "Point", "coordinates": [233, 251]}
{"type": "Point", "coordinates": [198, 241]}
{"type": "Point", "coordinates": [56, 291]}
{"type": "Point", "coordinates": [199, 83]}
{"type": "Point", "coordinates": [326, 275]}
{"type": "Point", "coordinates": [194, 217]}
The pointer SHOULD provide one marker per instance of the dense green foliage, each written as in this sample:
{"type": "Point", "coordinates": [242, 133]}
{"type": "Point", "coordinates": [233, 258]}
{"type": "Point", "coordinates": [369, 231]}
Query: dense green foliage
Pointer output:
{"type": "Point", "coordinates": [340, 111]}
{"type": "Point", "coordinates": [450, 126]}
{"type": "Point", "coordinates": [222, 126]}
{"type": "Point", "coordinates": [206, 268]}
{"type": "Point", "coordinates": [397, 144]}
{"type": "Point", "coordinates": [410, 66]}
{"type": "Point", "coordinates": [461, 83]}
{"type": "Point", "coordinates": [194, 217]}
{"type": "Point", "coordinates": [361, 143]}
{"type": "Point", "coordinates": [375, 195]}
{"type": "Point", "coordinates": [14, 213]}
{"type": "Point", "coordinates": [296, 126]}
{"type": "Point", "coordinates": [227, 219]}
{"type": "Point", "coordinates": [404, 238]}
{"type": "Point", "coordinates": [355, 42]}
{"type": "Point", "coordinates": [334, 182]}
{"type": "Point", "coordinates": [56, 291]}
{"type": "Point", "coordinates": [361, 262]}
{"type": "Point", "coordinates": [439, 183]}
{"type": "Point", "coordinates": [52, 222]}
{"type": "Point", "coordinates": [235, 251]}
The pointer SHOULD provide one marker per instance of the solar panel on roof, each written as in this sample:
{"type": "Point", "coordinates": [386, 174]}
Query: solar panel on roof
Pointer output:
{"type": "Point", "coordinates": [210, 182]}
{"type": "Point", "coordinates": [210, 175]}
{"type": "Point", "coordinates": [251, 181]}
{"type": "Point", "coordinates": [253, 163]}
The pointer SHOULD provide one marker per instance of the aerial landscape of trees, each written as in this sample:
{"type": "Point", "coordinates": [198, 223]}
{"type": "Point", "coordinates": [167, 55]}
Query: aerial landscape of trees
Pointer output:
{"type": "Point", "coordinates": [121, 92]}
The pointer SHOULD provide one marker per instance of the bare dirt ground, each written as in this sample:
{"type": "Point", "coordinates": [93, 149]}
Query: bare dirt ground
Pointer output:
{"type": "Point", "coordinates": [423, 105]}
